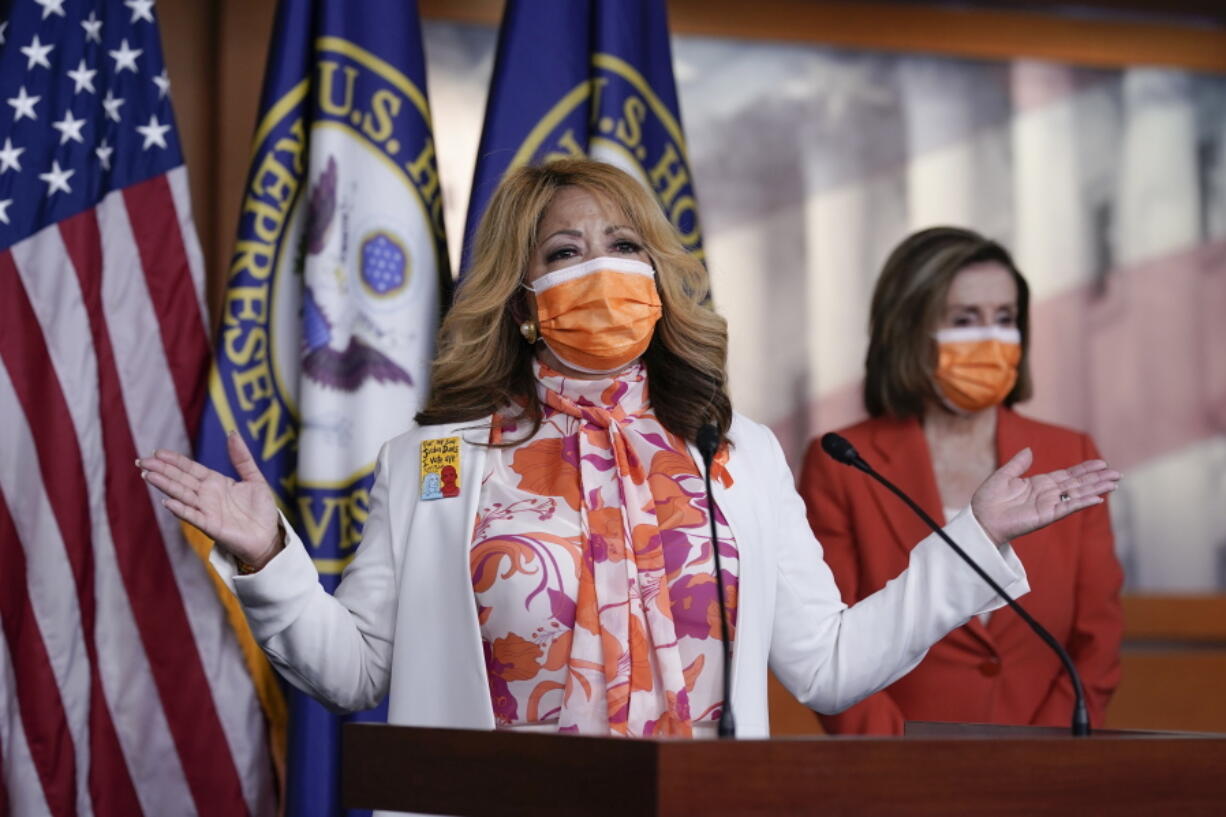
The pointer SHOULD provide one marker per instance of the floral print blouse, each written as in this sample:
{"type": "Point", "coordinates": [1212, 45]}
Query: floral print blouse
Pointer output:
{"type": "Point", "coordinates": [592, 567]}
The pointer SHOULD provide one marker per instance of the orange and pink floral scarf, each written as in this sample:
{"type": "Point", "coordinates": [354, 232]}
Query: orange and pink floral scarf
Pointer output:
{"type": "Point", "coordinates": [593, 572]}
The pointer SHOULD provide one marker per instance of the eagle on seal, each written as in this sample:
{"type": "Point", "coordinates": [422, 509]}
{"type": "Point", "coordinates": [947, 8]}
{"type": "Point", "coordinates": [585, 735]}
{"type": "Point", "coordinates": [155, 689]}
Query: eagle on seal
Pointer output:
{"type": "Point", "coordinates": [342, 369]}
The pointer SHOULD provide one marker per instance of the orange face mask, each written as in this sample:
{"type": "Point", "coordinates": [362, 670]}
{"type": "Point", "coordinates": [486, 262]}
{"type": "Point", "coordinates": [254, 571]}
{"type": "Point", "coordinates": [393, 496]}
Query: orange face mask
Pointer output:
{"type": "Point", "coordinates": [977, 365]}
{"type": "Point", "coordinates": [598, 316]}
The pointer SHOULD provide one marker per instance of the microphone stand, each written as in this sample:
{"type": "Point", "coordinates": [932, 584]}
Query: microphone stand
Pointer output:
{"type": "Point", "coordinates": [843, 451]}
{"type": "Point", "coordinates": [708, 444]}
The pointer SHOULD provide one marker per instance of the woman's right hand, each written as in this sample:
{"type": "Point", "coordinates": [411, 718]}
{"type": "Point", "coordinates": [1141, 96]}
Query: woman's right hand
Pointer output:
{"type": "Point", "coordinates": [239, 516]}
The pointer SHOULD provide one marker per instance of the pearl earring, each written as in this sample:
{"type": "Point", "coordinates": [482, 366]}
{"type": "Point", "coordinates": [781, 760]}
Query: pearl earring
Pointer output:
{"type": "Point", "coordinates": [529, 330]}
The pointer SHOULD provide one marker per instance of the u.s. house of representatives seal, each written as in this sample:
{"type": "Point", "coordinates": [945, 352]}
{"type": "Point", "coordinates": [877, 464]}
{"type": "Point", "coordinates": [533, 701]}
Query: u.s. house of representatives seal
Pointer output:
{"type": "Point", "coordinates": [333, 297]}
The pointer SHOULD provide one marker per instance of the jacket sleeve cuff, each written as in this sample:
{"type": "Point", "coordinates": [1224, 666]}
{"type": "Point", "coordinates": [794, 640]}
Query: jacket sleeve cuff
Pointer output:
{"type": "Point", "coordinates": [999, 562]}
{"type": "Point", "coordinates": [273, 596]}
{"type": "Point", "coordinates": [227, 566]}
{"type": "Point", "coordinates": [224, 565]}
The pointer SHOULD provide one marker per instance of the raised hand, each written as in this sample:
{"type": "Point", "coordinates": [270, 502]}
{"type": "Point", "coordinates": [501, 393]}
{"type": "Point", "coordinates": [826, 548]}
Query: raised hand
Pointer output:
{"type": "Point", "coordinates": [240, 516]}
{"type": "Point", "coordinates": [1009, 505]}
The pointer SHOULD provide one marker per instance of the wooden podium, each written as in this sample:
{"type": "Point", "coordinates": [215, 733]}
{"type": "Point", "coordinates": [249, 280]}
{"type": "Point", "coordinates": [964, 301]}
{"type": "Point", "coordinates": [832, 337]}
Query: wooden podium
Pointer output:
{"type": "Point", "coordinates": [937, 770]}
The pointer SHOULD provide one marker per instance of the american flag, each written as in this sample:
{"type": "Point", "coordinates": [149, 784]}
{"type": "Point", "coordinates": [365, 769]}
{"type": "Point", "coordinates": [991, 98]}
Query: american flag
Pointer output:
{"type": "Point", "coordinates": [123, 689]}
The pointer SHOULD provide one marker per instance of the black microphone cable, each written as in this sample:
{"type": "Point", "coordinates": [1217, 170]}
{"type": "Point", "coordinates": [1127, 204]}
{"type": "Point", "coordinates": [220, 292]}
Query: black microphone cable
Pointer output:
{"type": "Point", "coordinates": [843, 451]}
{"type": "Point", "coordinates": [708, 444]}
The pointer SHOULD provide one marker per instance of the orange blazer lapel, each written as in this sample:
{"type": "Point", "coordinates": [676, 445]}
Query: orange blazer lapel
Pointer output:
{"type": "Point", "coordinates": [900, 453]}
{"type": "Point", "coordinates": [1013, 433]}
{"type": "Point", "coordinates": [903, 457]}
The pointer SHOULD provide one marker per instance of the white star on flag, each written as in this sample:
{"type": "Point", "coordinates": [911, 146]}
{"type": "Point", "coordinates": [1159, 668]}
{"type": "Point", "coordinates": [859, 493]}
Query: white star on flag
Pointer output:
{"type": "Point", "coordinates": [154, 133]}
{"type": "Point", "coordinates": [3, 26]}
{"type": "Point", "coordinates": [69, 128]}
{"type": "Point", "coordinates": [23, 104]}
{"type": "Point", "coordinates": [4, 210]}
{"type": "Point", "coordinates": [51, 7]}
{"type": "Point", "coordinates": [10, 157]}
{"type": "Point", "coordinates": [93, 28]}
{"type": "Point", "coordinates": [162, 81]}
{"type": "Point", "coordinates": [82, 78]}
{"type": "Point", "coordinates": [57, 178]}
{"type": "Point", "coordinates": [103, 152]}
{"type": "Point", "coordinates": [111, 105]}
{"type": "Point", "coordinates": [37, 53]}
{"type": "Point", "coordinates": [140, 9]}
{"type": "Point", "coordinates": [125, 57]}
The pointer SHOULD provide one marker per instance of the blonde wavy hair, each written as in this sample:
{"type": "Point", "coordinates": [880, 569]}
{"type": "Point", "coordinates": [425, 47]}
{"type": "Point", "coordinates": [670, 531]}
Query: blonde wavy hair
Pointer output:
{"type": "Point", "coordinates": [484, 365]}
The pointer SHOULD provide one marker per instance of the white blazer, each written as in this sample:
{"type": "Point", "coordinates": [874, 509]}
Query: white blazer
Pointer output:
{"type": "Point", "coordinates": [404, 620]}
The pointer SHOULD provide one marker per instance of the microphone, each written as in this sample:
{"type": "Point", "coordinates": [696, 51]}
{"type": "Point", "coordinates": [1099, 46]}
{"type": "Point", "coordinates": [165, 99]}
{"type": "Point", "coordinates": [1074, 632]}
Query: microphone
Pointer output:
{"type": "Point", "coordinates": [708, 443]}
{"type": "Point", "coordinates": [843, 451]}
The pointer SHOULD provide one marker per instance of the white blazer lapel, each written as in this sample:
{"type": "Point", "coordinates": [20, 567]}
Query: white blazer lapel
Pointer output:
{"type": "Point", "coordinates": [437, 617]}
{"type": "Point", "coordinates": [739, 505]}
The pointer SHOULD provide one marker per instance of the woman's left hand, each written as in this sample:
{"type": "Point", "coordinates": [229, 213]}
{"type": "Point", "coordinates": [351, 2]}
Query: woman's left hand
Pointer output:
{"type": "Point", "coordinates": [1009, 505]}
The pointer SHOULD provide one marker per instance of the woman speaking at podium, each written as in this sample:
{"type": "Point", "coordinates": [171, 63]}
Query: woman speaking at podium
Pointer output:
{"type": "Point", "coordinates": [948, 335]}
{"type": "Point", "coordinates": [538, 553]}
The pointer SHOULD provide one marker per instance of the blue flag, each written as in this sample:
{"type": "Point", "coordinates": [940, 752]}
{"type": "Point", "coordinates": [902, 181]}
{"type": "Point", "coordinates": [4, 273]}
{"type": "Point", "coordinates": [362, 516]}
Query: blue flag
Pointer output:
{"type": "Point", "coordinates": [587, 78]}
{"type": "Point", "coordinates": [334, 293]}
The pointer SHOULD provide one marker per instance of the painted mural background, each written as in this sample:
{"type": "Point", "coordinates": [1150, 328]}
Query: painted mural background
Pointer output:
{"type": "Point", "coordinates": [1109, 186]}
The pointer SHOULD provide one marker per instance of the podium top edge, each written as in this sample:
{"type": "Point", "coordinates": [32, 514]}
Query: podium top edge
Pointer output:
{"type": "Point", "coordinates": [944, 733]}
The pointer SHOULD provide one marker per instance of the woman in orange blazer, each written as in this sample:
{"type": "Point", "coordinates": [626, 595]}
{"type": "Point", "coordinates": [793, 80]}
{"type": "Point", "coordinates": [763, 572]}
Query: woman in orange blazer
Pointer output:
{"type": "Point", "coordinates": [946, 363]}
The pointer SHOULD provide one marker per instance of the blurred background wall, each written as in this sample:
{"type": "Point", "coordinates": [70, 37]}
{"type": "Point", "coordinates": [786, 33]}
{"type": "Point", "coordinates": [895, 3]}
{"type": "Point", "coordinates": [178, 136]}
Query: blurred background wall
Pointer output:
{"type": "Point", "coordinates": [1090, 139]}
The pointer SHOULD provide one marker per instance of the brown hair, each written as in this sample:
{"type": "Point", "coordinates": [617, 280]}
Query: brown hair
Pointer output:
{"type": "Point", "coordinates": [907, 305]}
{"type": "Point", "coordinates": [484, 365]}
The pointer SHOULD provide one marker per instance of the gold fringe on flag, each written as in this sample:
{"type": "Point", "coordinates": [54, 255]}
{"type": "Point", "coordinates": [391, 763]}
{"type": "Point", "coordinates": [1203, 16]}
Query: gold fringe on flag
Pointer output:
{"type": "Point", "coordinates": [267, 687]}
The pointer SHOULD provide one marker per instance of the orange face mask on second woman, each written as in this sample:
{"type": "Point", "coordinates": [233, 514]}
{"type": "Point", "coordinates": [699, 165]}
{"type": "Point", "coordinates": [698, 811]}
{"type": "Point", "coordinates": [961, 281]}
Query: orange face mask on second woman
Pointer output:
{"type": "Point", "coordinates": [976, 365]}
{"type": "Point", "coordinates": [598, 316]}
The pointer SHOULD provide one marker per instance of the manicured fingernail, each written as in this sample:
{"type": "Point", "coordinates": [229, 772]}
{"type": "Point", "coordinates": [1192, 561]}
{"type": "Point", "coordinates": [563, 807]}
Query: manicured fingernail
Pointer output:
{"type": "Point", "coordinates": [144, 474]}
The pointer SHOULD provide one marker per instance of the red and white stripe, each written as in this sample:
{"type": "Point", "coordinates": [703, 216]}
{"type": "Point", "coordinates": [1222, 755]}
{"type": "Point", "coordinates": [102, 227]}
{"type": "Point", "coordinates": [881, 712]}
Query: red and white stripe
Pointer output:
{"type": "Point", "coordinates": [122, 687]}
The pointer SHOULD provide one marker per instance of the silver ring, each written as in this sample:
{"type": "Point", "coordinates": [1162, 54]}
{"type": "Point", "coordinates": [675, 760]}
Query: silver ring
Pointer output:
{"type": "Point", "coordinates": [1064, 497]}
